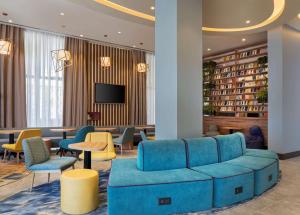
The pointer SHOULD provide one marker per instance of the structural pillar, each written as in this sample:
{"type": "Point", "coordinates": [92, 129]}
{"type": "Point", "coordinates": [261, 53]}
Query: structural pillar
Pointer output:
{"type": "Point", "coordinates": [178, 51]}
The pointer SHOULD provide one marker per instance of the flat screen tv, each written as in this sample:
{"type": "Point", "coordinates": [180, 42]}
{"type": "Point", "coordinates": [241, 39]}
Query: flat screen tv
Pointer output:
{"type": "Point", "coordinates": [108, 93]}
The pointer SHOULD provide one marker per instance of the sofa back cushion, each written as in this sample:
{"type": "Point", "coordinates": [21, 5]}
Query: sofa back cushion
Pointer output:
{"type": "Point", "coordinates": [201, 151]}
{"type": "Point", "coordinates": [230, 146]}
{"type": "Point", "coordinates": [161, 155]}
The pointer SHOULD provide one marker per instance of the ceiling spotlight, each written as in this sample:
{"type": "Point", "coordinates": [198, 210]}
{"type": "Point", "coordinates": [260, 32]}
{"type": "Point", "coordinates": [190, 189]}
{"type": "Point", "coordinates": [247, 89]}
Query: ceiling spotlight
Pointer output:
{"type": "Point", "coordinates": [81, 35]}
{"type": "Point", "coordinates": [248, 21]}
{"type": "Point", "coordinates": [105, 35]}
{"type": "Point", "coordinates": [10, 21]}
{"type": "Point", "coordinates": [134, 46]}
{"type": "Point", "coordinates": [244, 40]}
{"type": "Point", "coordinates": [208, 49]}
{"type": "Point", "coordinates": [119, 32]}
{"type": "Point", "coordinates": [152, 8]}
{"type": "Point", "coordinates": [62, 14]}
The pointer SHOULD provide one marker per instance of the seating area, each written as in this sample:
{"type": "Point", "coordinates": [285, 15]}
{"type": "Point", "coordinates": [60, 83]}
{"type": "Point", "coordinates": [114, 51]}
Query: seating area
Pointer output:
{"type": "Point", "coordinates": [204, 172]}
{"type": "Point", "coordinates": [149, 107]}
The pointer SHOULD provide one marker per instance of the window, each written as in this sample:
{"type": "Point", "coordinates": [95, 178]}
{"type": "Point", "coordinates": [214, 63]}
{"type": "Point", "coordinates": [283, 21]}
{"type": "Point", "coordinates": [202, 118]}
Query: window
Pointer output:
{"type": "Point", "coordinates": [44, 86]}
{"type": "Point", "coordinates": [150, 88]}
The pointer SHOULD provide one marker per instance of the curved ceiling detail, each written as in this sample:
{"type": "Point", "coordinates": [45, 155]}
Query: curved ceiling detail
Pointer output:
{"type": "Point", "coordinates": [278, 9]}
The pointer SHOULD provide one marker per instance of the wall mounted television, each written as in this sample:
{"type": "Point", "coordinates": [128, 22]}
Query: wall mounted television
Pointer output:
{"type": "Point", "coordinates": [109, 93]}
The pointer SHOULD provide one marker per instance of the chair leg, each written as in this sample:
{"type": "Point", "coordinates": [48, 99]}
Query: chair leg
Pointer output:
{"type": "Point", "coordinates": [48, 177]}
{"type": "Point", "coordinates": [18, 158]}
{"type": "Point", "coordinates": [32, 181]}
{"type": "Point", "coordinates": [121, 149]}
{"type": "Point", "coordinates": [73, 166]}
{"type": "Point", "coordinates": [4, 156]}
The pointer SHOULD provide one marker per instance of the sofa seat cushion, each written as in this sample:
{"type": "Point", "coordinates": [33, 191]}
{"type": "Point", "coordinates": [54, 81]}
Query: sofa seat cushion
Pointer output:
{"type": "Point", "coordinates": [156, 192]}
{"type": "Point", "coordinates": [201, 151]}
{"type": "Point", "coordinates": [54, 164]}
{"type": "Point", "coordinates": [161, 155]}
{"type": "Point", "coordinates": [261, 153]}
{"type": "Point", "coordinates": [266, 171]}
{"type": "Point", "coordinates": [232, 184]}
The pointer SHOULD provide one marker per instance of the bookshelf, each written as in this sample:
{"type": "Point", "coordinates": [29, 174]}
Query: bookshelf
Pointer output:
{"type": "Point", "coordinates": [234, 86]}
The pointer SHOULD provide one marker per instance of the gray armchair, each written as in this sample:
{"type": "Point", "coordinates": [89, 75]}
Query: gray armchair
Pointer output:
{"type": "Point", "coordinates": [37, 158]}
{"type": "Point", "coordinates": [125, 138]}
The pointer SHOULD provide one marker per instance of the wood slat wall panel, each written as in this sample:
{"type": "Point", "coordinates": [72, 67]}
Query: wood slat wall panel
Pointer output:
{"type": "Point", "coordinates": [121, 72]}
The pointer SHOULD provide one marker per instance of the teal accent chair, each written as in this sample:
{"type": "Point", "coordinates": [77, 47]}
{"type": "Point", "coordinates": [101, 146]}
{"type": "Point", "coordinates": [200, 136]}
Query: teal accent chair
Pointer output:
{"type": "Point", "coordinates": [79, 137]}
{"type": "Point", "coordinates": [127, 137]}
{"type": "Point", "coordinates": [37, 158]}
{"type": "Point", "coordinates": [143, 136]}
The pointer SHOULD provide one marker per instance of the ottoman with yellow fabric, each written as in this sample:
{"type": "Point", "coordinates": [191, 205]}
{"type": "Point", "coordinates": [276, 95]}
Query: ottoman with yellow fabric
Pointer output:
{"type": "Point", "coordinates": [79, 191]}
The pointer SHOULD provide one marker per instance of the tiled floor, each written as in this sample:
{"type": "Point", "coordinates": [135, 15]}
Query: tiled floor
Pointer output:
{"type": "Point", "coordinates": [284, 199]}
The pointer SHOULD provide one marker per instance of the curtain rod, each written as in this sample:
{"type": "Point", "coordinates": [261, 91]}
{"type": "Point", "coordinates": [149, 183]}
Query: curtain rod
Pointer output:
{"type": "Point", "coordinates": [73, 36]}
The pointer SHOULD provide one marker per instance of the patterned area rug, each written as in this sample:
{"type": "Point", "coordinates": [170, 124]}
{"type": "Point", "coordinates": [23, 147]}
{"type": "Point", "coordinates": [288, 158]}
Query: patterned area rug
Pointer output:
{"type": "Point", "coordinates": [45, 199]}
{"type": "Point", "coordinates": [11, 172]}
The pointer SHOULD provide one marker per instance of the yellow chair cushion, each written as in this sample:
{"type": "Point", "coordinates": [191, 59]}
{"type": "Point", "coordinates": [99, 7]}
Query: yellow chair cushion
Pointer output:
{"type": "Point", "coordinates": [101, 156]}
{"type": "Point", "coordinates": [79, 191]}
{"type": "Point", "coordinates": [11, 147]}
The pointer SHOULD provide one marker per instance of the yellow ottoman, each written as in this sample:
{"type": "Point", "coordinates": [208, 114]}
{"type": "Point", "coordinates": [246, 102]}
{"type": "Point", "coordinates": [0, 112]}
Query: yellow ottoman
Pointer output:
{"type": "Point", "coordinates": [79, 191]}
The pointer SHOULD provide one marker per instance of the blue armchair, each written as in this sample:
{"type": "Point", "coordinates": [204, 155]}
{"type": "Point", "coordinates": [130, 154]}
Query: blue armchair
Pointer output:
{"type": "Point", "coordinates": [79, 137]}
{"type": "Point", "coordinates": [37, 158]}
{"type": "Point", "coordinates": [256, 138]}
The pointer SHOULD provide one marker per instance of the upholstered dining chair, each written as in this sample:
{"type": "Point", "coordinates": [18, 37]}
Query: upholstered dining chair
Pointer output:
{"type": "Point", "coordinates": [108, 153]}
{"type": "Point", "coordinates": [79, 137]}
{"type": "Point", "coordinates": [145, 137]}
{"type": "Point", "coordinates": [125, 138]}
{"type": "Point", "coordinates": [37, 159]}
{"type": "Point", "coordinates": [17, 147]}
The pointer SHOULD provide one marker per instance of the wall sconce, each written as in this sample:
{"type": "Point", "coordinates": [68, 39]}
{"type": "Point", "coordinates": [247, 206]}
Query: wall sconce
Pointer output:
{"type": "Point", "coordinates": [105, 62]}
{"type": "Point", "coordinates": [142, 67]}
{"type": "Point", "coordinates": [5, 47]}
{"type": "Point", "coordinates": [61, 59]}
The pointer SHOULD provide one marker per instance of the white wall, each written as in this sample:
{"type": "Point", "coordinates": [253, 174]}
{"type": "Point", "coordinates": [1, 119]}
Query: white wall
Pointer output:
{"type": "Point", "coordinates": [284, 89]}
{"type": "Point", "coordinates": [178, 50]}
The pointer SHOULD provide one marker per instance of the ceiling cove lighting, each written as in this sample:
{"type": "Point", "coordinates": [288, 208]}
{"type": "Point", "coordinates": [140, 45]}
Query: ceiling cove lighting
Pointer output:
{"type": "Point", "coordinates": [105, 61]}
{"type": "Point", "coordinates": [278, 9]}
{"type": "Point", "coordinates": [61, 59]}
{"type": "Point", "coordinates": [5, 47]}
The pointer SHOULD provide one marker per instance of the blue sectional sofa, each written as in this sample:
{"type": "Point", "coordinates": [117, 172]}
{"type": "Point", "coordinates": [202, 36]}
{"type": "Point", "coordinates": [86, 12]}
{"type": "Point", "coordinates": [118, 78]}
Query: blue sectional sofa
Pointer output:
{"type": "Point", "coordinates": [189, 175]}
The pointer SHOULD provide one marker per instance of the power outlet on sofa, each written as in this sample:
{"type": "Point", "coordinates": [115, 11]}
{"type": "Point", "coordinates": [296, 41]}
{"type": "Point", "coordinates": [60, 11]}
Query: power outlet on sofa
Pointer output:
{"type": "Point", "coordinates": [164, 201]}
{"type": "Point", "coordinates": [270, 177]}
{"type": "Point", "coordinates": [238, 190]}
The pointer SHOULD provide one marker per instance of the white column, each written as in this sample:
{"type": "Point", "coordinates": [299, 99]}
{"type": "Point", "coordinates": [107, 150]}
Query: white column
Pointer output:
{"type": "Point", "coordinates": [178, 52]}
{"type": "Point", "coordinates": [284, 89]}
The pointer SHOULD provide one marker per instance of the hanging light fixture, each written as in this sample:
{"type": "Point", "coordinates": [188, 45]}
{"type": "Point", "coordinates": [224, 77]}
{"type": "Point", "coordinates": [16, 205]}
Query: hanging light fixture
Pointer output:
{"type": "Point", "coordinates": [5, 47]}
{"type": "Point", "coordinates": [105, 61]}
{"type": "Point", "coordinates": [142, 66]}
{"type": "Point", "coordinates": [61, 59]}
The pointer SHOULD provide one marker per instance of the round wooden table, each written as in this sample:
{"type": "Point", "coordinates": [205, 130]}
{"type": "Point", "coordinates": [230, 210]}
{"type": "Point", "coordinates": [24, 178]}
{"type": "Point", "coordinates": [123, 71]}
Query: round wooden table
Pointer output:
{"type": "Point", "coordinates": [63, 131]}
{"type": "Point", "coordinates": [11, 133]}
{"type": "Point", "coordinates": [232, 129]}
{"type": "Point", "coordinates": [108, 129]}
{"type": "Point", "coordinates": [88, 148]}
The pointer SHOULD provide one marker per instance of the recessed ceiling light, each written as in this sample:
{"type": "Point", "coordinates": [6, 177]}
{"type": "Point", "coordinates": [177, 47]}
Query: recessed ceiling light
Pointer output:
{"type": "Point", "coordinates": [10, 21]}
{"type": "Point", "coordinates": [134, 46]}
{"type": "Point", "coordinates": [105, 35]}
{"type": "Point", "coordinates": [81, 35]}
{"type": "Point", "coordinates": [119, 32]}
{"type": "Point", "coordinates": [298, 15]}
{"type": "Point", "coordinates": [152, 8]}
{"type": "Point", "coordinates": [62, 14]}
{"type": "Point", "coordinates": [208, 49]}
{"type": "Point", "coordinates": [244, 40]}
{"type": "Point", "coordinates": [248, 21]}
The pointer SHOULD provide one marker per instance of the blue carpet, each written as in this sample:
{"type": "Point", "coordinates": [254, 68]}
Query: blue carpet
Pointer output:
{"type": "Point", "coordinates": [45, 199]}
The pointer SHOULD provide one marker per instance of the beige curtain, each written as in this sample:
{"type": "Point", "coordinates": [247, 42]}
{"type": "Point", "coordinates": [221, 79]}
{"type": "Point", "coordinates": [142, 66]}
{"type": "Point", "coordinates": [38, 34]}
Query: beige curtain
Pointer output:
{"type": "Point", "coordinates": [137, 98]}
{"type": "Point", "coordinates": [75, 84]}
{"type": "Point", "coordinates": [12, 80]}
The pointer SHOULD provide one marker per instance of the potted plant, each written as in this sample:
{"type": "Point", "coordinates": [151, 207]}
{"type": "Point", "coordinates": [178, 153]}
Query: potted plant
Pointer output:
{"type": "Point", "coordinates": [208, 74]}
{"type": "Point", "coordinates": [209, 110]}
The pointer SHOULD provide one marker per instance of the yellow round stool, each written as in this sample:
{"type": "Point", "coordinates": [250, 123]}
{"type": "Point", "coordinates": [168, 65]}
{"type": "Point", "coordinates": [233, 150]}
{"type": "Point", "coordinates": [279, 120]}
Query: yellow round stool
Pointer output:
{"type": "Point", "coordinates": [79, 191]}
